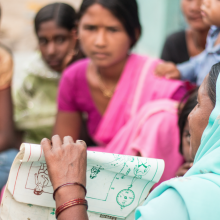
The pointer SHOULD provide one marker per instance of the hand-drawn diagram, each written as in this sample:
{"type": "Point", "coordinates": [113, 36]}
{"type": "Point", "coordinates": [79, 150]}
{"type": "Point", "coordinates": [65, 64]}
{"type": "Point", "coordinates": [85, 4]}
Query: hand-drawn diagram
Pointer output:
{"type": "Point", "coordinates": [125, 198]}
{"type": "Point", "coordinates": [38, 179]}
{"type": "Point", "coordinates": [119, 174]}
{"type": "Point", "coordinates": [95, 171]}
{"type": "Point", "coordinates": [116, 184]}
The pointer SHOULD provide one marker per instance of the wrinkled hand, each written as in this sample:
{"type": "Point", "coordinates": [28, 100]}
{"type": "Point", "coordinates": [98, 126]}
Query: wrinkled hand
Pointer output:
{"type": "Point", "coordinates": [167, 69]}
{"type": "Point", "coordinates": [183, 169]}
{"type": "Point", "coordinates": [66, 161]}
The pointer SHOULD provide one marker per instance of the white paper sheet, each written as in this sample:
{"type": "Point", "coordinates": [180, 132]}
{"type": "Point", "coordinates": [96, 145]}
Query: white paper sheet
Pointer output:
{"type": "Point", "coordinates": [116, 184]}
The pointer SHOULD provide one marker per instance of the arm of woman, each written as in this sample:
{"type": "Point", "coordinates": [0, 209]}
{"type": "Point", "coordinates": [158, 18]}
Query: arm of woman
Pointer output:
{"type": "Point", "coordinates": [66, 163]}
{"type": "Point", "coordinates": [68, 124]}
{"type": "Point", "coordinates": [68, 120]}
{"type": "Point", "coordinates": [6, 120]}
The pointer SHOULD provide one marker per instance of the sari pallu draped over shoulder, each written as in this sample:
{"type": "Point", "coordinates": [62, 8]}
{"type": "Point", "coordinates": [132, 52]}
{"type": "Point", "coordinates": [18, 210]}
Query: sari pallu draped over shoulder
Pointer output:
{"type": "Point", "coordinates": [142, 117]}
{"type": "Point", "coordinates": [199, 189]}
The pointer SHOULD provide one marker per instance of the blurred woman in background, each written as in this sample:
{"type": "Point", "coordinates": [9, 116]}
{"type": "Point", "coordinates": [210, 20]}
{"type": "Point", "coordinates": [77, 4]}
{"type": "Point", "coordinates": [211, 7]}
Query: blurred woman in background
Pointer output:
{"type": "Point", "coordinates": [182, 45]}
{"type": "Point", "coordinates": [35, 101]}
{"type": "Point", "coordinates": [130, 111]}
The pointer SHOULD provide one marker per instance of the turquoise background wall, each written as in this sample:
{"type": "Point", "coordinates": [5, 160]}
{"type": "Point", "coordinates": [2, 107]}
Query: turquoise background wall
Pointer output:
{"type": "Point", "coordinates": [159, 18]}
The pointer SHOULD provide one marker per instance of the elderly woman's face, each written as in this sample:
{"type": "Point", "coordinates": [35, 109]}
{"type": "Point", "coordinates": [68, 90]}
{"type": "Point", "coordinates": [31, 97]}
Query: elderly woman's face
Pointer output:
{"type": "Point", "coordinates": [198, 118]}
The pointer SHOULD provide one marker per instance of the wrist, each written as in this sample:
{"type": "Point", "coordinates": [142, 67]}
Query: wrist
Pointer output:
{"type": "Point", "coordinates": [68, 193]}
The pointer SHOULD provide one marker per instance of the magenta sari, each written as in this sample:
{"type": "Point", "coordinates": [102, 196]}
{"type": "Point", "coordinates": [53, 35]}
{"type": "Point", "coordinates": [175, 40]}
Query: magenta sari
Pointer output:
{"type": "Point", "coordinates": [142, 116]}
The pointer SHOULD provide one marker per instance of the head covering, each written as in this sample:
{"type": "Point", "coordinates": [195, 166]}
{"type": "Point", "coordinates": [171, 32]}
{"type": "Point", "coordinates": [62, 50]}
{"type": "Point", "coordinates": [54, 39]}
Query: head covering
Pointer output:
{"type": "Point", "coordinates": [200, 187]}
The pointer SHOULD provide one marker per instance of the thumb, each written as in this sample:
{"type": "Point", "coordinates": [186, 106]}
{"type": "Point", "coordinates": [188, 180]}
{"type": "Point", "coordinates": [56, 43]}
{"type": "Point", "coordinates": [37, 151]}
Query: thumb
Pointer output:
{"type": "Point", "coordinates": [172, 75]}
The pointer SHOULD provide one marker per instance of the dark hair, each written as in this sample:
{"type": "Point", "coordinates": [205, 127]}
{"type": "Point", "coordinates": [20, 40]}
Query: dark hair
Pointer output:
{"type": "Point", "coordinates": [183, 114]}
{"type": "Point", "coordinates": [63, 14]}
{"type": "Point", "coordinates": [212, 79]}
{"type": "Point", "coordinates": [125, 10]}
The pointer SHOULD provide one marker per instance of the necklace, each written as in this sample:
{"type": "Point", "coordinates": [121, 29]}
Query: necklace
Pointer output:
{"type": "Point", "coordinates": [106, 92]}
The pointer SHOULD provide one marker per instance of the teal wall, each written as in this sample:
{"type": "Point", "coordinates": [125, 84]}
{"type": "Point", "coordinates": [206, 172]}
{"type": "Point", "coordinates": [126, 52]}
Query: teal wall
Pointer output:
{"type": "Point", "coordinates": [158, 18]}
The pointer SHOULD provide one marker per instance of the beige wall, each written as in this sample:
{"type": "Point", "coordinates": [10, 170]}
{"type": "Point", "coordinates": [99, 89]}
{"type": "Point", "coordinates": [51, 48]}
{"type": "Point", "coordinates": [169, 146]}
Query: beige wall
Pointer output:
{"type": "Point", "coordinates": [17, 22]}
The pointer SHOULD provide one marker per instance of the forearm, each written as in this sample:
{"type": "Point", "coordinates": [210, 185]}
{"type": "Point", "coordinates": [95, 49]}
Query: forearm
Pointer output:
{"type": "Point", "coordinates": [66, 194]}
{"type": "Point", "coordinates": [6, 141]}
{"type": "Point", "coordinates": [66, 163]}
{"type": "Point", "coordinates": [68, 124]}
{"type": "Point", "coordinates": [6, 120]}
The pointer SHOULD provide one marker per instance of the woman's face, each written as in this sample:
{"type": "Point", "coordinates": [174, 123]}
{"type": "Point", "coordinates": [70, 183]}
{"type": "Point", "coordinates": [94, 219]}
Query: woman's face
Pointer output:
{"type": "Point", "coordinates": [192, 12]}
{"type": "Point", "coordinates": [198, 118]}
{"type": "Point", "coordinates": [210, 12]}
{"type": "Point", "coordinates": [55, 44]}
{"type": "Point", "coordinates": [102, 36]}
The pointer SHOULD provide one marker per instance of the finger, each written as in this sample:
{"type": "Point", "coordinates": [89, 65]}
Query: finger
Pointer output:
{"type": "Point", "coordinates": [172, 75]}
{"type": "Point", "coordinates": [81, 142]}
{"type": "Point", "coordinates": [159, 73]}
{"type": "Point", "coordinates": [157, 70]}
{"type": "Point", "coordinates": [187, 165]}
{"type": "Point", "coordinates": [46, 145]}
{"type": "Point", "coordinates": [68, 140]}
{"type": "Point", "coordinates": [56, 142]}
{"type": "Point", "coordinates": [181, 172]}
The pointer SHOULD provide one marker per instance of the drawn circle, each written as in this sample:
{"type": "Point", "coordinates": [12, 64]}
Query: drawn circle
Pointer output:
{"type": "Point", "coordinates": [125, 197]}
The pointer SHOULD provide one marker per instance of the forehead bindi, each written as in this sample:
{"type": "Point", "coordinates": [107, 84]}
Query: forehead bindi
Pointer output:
{"type": "Point", "coordinates": [99, 16]}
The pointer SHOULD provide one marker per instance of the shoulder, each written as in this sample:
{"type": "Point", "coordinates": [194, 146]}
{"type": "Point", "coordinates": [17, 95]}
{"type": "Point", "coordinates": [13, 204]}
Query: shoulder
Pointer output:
{"type": "Point", "coordinates": [5, 49]}
{"type": "Point", "coordinates": [37, 67]}
{"type": "Point", "coordinates": [140, 60]}
{"type": "Point", "coordinates": [74, 76]}
{"type": "Point", "coordinates": [77, 69]}
{"type": "Point", "coordinates": [168, 205]}
{"type": "Point", "coordinates": [6, 70]}
{"type": "Point", "coordinates": [212, 35]}
{"type": "Point", "coordinates": [5, 56]}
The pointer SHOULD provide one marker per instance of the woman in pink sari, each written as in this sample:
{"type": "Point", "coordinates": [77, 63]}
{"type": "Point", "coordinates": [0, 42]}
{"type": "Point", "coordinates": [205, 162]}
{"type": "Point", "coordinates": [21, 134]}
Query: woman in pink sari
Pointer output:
{"type": "Point", "coordinates": [130, 110]}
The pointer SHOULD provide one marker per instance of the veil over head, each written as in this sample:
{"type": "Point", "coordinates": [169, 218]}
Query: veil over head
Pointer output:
{"type": "Point", "coordinates": [199, 188]}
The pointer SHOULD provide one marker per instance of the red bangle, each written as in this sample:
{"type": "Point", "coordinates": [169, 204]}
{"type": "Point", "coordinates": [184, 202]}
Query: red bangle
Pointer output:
{"type": "Point", "coordinates": [69, 184]}
{"type": "Point", "coordinates": [69, 204]}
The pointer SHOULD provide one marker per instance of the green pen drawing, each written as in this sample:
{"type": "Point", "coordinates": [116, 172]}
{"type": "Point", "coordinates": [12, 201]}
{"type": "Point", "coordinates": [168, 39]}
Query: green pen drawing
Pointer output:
{"type": "Point", "coordinates": [125, 196]}
{"type": "Point", "coordinates": [53, 212]}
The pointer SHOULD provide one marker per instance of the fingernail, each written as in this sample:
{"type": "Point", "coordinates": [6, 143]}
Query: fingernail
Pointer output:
{"type": "Point", "coordinates": [191, 164]}
{"type": "Point", "coordinates": [80, 141]}
{"type": "Point", "coordinates": [44, 139]}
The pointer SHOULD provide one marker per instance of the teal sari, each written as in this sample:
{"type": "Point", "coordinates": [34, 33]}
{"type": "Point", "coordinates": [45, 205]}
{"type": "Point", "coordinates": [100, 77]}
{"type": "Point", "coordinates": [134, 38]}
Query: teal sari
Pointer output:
{"type": "Point", "coordinates": [195, 196]}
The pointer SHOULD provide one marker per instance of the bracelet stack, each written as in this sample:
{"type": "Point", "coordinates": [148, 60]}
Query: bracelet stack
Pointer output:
{"type": "Point", "coordinates": [73, 202]}
{"type": "Point", "coordinates": [69, 204]}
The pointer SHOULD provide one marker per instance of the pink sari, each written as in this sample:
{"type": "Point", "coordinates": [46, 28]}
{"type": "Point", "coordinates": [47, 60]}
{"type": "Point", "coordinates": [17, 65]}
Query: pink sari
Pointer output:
{"type": "Point", "coordinates": [141, 117]}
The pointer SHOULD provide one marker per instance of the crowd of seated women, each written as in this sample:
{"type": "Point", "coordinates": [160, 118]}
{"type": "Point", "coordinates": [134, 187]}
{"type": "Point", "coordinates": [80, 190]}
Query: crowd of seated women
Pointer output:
{"type": "Point", "coordinates": [85, 83]}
